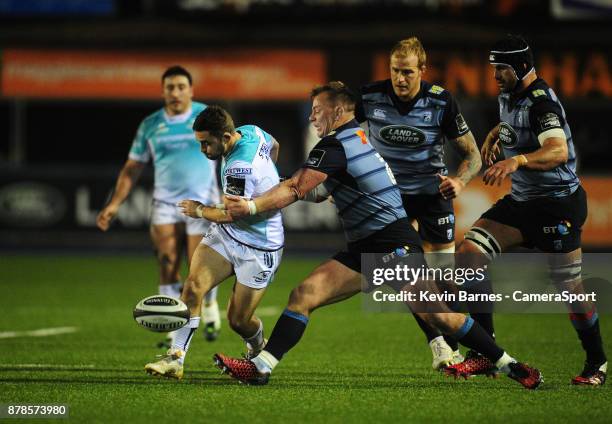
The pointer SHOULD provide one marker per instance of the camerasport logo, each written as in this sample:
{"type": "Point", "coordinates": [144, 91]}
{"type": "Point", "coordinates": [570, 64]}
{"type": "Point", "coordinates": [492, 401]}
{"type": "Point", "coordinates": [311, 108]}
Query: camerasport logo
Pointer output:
{"type": "Point", "coordinates": [31, 204]}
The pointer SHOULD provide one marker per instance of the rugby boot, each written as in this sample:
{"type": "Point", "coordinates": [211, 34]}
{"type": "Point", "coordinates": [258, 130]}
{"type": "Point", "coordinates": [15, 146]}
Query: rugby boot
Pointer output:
{"type": "Point", "coordinates": [242, 370]}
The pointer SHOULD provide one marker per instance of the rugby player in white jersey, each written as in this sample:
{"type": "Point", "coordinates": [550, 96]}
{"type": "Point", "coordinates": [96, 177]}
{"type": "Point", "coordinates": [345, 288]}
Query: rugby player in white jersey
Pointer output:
{"type": "Point", "coordinates": [250, 249]}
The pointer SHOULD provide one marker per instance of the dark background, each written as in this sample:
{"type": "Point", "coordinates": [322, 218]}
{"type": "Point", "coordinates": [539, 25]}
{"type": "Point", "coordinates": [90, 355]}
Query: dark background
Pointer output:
{"type": "Point", "coordinates": [71, 140]}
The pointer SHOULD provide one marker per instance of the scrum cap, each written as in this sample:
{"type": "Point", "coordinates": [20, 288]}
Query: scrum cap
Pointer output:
{"type": "Point", "coordinates": [513, 51]}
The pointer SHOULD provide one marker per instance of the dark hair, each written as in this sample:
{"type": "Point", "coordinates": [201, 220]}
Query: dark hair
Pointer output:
{"type": "Point", "coordinates": [338, 92]}
{"type": "Point", "coordinates": [176, 70]}
{"type": "Point", "coordinates": [215, 120]}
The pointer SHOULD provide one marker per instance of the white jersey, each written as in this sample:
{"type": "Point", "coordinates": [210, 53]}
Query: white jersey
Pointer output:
{"type": "Point", "coordinates": [248, 171]}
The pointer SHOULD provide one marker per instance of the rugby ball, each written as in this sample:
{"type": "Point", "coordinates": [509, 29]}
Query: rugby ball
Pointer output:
{"type": "Point", "coordinates": [161, 313]}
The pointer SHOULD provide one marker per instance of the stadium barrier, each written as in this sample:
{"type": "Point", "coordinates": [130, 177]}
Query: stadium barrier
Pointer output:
{"type": "Point", "coordinates": [68, 202]}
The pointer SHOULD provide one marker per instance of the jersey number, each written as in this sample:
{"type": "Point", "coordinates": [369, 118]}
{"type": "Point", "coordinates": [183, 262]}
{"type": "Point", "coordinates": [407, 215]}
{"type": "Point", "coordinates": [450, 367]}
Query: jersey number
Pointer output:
{"type": "Point", "coordinates": [389, 172]}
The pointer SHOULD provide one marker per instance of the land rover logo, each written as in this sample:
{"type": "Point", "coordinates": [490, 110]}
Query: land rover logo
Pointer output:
{"type": "Point", "coordinates": [402, 135]}
{"type": "Point", "coordinates": [31, 204]}
{"type": "Point", "coordinates": [507, 135]}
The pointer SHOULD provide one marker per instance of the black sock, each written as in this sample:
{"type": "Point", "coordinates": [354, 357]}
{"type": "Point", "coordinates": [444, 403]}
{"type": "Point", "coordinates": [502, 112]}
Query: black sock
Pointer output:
{"type": "Point", "coordinates": [473, 336]}
{"type": "Point", "coordinates": [486, 322]}
{"type": "Point", "coordinates": [286, 333]}
{"type": "Point", "coordinates": [484, 313]}
{"type": "Point", "coordinates": [590, 339]}
{"type": "Point", "coordinates": [430, 332]}
{"type": "Point", "coordinates": [451, 342]}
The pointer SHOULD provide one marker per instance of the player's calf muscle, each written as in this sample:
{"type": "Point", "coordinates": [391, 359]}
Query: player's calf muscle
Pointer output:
{"type": "Point", "coordinates": [447, 323]}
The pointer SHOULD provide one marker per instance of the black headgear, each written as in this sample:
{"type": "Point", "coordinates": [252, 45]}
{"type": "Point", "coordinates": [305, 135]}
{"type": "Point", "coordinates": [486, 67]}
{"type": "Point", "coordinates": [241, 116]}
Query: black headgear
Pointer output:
{"type": "Point", "coordinates": [513, 51]}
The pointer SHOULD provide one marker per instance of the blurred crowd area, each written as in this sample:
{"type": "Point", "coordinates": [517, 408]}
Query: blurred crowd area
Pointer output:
{"type": "Point", "coordinates": [77, 76]}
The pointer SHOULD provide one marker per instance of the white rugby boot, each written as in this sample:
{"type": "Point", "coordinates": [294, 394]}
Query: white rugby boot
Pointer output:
{"type": "Point", "coordinates": [168, 365]}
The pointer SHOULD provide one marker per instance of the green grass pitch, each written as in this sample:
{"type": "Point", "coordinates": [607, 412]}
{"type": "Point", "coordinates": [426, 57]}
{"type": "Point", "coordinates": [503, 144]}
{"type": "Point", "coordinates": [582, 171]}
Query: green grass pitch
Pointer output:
{"type": "Point", "coordinates": [351, 366]}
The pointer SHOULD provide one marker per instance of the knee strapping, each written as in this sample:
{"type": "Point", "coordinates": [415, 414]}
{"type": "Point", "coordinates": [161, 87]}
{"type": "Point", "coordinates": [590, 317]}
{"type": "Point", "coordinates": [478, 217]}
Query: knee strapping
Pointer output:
{"type": "Point", "coordinates": [484, 241]}
{"type": "Point", "coordinates": [565, 274]}
{"type": "Point", "coordinates": [444, 258]}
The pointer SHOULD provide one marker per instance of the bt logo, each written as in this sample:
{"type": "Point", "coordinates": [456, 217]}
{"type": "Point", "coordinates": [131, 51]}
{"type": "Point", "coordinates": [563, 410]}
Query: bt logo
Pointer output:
{"type": "Point", "coordinates": [450, 219]}
{"type": "Point", "coordinates": [563, 228]}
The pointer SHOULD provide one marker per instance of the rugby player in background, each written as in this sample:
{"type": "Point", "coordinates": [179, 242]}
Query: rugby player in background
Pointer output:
{"type": "Point", "coordinates": [408, 121]}
{"type": "Point", "coordinates": [546, 193]}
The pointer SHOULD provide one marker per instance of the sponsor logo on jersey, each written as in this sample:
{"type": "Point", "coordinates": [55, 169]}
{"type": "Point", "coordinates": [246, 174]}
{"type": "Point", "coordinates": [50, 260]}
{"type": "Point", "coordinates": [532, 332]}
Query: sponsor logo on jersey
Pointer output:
{"type": "Point", "coordinates": [462, 126]}
{"type": "Point", "coordinates": [238, 171]}
{"type": "Point", "coordinates": [379, 113]}
{"type": "Point", "coordinates": [402, 135]}
{"type": "Point", "coordinates": [234, 184]}
{"type": "Point", "coordinates": [427, 116]}
{"type": "Point", "coordinates": [315, 157]}
{"type": "Point", "coordinates": [436, 89]}
{"type": "Point", "coordinates": [538, 93]}
{"type": "Point", "coordinates": [264, 151]}
{"type": "Point", "coordinates": [507, 135]}
{"type": "Point", "coordinates": [549, 120]}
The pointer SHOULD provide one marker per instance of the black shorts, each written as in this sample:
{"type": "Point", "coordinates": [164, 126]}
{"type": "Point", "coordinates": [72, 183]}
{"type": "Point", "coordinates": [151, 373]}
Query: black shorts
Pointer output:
{"type": "Point", "coordinates": [552, 225]}
{"type": "Point", "coordinates": [435, 215]}
{"type": "Point", "coordinates": [398, 236]}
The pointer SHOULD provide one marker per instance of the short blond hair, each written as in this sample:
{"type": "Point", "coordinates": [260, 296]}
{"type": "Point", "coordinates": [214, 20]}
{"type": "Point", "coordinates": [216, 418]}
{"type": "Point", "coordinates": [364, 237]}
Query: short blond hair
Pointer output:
{"type": "Point", "coordinates": [408, 46]}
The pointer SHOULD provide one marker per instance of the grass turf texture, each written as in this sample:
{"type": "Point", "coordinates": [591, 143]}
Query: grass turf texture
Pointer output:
{"type": "Point", "coordinates": [351, 366]}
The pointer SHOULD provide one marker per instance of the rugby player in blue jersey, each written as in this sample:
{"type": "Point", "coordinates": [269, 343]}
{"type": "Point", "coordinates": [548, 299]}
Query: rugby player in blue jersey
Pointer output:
{"type": "Point", "coordinates": [408, 121]}
{"type": "Point", "coordinates": [181, 172]}
{"type": "Point", "coordinates": [546, 207]}
{"type": "Point", "coordinates": [346, 166]}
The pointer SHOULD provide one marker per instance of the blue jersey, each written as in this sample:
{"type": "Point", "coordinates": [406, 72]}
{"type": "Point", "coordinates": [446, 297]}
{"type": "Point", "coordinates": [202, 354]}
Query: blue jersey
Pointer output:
{"type": "Point", "coordinates": [248, 171]}
{"type": "Point", "coordinates": [359, 180]}
{"type": "Point", "coordinates": [411, 135]}
{"type": "Point", "coordinates": [535, 111]}
{"type": "Point", "coordinates": [182, 171]}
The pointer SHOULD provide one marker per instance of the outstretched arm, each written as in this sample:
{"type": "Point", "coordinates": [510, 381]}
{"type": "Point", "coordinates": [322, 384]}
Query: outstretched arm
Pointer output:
{"type": "Point", "coordinates": [279, 197]}
{"type": "Point", "coordinates": [195, 209]}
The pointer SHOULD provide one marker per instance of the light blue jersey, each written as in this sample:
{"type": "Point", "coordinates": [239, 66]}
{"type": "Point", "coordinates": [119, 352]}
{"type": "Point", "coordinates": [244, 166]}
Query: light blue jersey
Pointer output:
{"type": "Point", "coordinates": [248, 171]}
{"type": "Point", "coordinates": [182, 171]}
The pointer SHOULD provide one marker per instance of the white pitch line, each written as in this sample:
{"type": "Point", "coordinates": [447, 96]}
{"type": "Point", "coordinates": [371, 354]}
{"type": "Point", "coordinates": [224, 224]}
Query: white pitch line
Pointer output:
{"type": "Point", "coordinates": [57, 366]}
{"type": "Point", "coordinates": [266, 311]}
{"type": "Point", "coordinates": [41, 332]}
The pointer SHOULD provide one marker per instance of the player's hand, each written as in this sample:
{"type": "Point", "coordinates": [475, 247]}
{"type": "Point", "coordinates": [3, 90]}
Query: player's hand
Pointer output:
{"type": "Point", "coordinates": [105, 217]}
{"type": "Point", "coordinates": [497, 172]}
{"type": "Point", "coordinates": [236, 206]}
{"type": "Point", "coordinates": [450, 187]}
{"type": "Point", "coordinates": [491, 149]}
{"type": "Point", "coordinates": [189, 207]}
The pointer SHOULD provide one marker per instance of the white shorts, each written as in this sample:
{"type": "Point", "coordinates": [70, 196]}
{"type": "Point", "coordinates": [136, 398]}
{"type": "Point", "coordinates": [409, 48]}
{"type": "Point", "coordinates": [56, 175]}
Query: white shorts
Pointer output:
{"type": "Point", "coordinates": [168, 213]}
{"type": "Point", "coordinates": [253, 268]}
